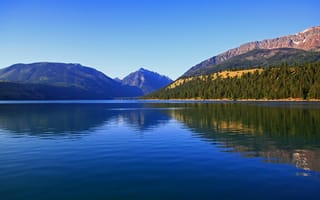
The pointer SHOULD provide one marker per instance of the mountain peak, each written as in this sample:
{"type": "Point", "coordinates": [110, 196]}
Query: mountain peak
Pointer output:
{"type": "Point", "coordinates": [314, 28]}
{"type": "Point", "coordinates": [148, 81]}
{"type": "Point", "coordinates": [142, 69]}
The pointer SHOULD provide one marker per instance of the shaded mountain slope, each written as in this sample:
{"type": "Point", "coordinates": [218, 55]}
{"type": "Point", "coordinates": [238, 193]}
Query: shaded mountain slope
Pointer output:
{"type": "Point", "coordinates": [264, 58]}
{"type": "Point", "coordinates": [146, 80]}
{"type": "Point", "coordinates": [62, 77]}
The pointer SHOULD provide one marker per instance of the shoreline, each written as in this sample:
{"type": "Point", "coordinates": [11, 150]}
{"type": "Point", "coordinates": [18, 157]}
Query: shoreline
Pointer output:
{"type": "Point", "coordinates": [195, 100]}
{"type": "Point", "coordinates": [242, 100]}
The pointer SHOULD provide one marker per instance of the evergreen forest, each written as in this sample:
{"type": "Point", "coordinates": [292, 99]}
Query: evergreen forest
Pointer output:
{"type": "Point", "coordinates": [299, 81]}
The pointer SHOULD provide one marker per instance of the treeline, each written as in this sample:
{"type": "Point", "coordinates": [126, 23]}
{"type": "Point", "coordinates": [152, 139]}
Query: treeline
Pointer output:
{"type": "Point", "coordinates": [276, 82]}
{"type": "Point", "coordinates": [28, 91]}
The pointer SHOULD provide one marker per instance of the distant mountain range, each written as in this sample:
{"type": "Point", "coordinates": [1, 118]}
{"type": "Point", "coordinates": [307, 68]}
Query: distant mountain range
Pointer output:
{"type": "Point", "coordinates": [308, 40]}
{"type": "Point", "coordinates": [300, 51]}
{"type": "Point", "coordinates": [46, 80]}
{"type": "Point", "coordinates": [146, 80]}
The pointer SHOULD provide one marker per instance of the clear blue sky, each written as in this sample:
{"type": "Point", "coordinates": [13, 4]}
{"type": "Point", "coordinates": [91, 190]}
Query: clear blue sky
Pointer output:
{"type": "Point", "coordinates": [120, 36]}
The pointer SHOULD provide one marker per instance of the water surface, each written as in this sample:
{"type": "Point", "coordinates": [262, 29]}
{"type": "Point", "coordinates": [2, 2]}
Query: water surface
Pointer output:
{"type": "Point", "coordinates": [156, 150]}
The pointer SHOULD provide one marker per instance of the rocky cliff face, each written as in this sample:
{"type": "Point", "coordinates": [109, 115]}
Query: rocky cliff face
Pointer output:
{"type": "Point", "coordinates": [306, 40]}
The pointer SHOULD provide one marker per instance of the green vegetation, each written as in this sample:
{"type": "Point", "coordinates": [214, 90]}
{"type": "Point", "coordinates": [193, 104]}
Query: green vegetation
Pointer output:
{"type": "Point", "coordinates": [24, 91]}
{"type": "Point", "coordinates": [277, 82]}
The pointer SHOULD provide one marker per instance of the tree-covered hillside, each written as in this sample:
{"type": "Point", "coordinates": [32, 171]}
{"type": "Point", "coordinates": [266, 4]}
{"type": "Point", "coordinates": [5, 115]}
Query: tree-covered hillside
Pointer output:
{"type": "Point", "coordinates": [276, 82]}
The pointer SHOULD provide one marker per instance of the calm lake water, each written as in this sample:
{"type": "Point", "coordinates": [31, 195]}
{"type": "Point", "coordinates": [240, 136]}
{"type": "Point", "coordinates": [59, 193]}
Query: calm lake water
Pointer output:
{"type": "Point", "coordinates": [153, 150]}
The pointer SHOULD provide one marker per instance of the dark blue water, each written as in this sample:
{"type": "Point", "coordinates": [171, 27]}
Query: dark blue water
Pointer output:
{"type": "Point", "coordinates": [154, 150]}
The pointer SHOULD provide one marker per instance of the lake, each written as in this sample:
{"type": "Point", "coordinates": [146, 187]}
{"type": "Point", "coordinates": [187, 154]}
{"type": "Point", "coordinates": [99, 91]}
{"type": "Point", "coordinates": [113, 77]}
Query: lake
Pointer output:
{"type": "Point", "coordinates": [159, 150]}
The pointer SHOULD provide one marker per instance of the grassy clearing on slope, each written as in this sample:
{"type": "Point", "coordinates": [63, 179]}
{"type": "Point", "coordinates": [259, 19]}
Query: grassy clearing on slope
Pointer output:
{"type": "Point", "coordinates": [222, 75]}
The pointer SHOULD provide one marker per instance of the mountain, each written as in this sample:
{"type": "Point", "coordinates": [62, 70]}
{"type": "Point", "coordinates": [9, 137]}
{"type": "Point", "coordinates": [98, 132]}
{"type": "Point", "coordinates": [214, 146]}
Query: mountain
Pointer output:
{"type": "Point", "coordinates": [146, 80]}
{"type": "Point", "coordinates": [283, 68]}
{"type": "Point", "coordinates": [308, 39]}
{"type": "Point", "coordinates": [66, 81]}
{"type": "Point", "coordinates": [264, 58]}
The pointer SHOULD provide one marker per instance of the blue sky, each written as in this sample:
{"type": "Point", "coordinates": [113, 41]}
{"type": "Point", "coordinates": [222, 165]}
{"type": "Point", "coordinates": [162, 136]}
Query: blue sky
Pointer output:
{"type": "Point", "coordinates": [120, 36]}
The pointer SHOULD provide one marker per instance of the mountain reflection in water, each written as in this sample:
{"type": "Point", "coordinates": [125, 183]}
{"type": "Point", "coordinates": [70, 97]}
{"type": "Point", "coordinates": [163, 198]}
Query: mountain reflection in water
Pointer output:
{"type": "Point", "coordinates": [55, 120]}
{"type": "Point", "coordinates": [277, 133]}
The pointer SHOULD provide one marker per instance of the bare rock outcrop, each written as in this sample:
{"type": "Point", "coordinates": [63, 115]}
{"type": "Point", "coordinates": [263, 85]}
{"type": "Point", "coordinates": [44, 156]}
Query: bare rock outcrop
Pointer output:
{"type": "Point", "coordinates": [307, 40]}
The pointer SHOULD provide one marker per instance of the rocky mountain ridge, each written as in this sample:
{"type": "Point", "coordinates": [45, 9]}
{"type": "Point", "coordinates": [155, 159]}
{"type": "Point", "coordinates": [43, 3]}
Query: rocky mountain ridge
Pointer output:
{"type": "Point", "coordinates": [306, 40]}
